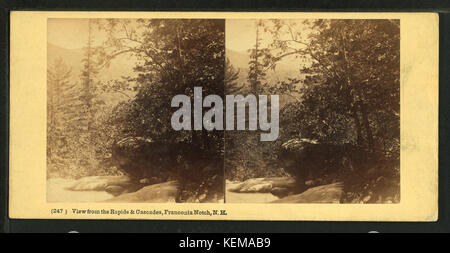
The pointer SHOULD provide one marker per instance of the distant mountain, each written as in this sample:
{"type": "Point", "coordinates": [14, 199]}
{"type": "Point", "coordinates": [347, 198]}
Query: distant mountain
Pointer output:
{"type": "Point", "coordinates": [121, 66]}
{"type": "Point", "coordinates": [288, 68]}
{"type": "Point", "coordinates": [71, 57]}
{"type": "Point", "coordinates": [283, 70]}
{"type": "Point", "coordinates": [239, 59]}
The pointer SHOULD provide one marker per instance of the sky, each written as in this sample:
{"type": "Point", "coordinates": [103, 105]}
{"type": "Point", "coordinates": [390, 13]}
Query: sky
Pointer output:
{"type": "Point", "coordinates": [240, 34]}
{"type": "Point", "coordinates": [67, 33]}
{"type": "Point", "coordinates": [70, 33]}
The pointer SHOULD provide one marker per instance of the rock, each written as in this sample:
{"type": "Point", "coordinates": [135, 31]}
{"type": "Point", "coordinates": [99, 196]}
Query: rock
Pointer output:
{"type": "Point", "coordinates": [309, 182]}
{"type": "Point", "coordinates": [144, 181]}
{"type": "Point", "coordinates": [306, 159]}
{"type": "Point", "coordinates": [330, 193]}
{"type": "Point", "coordinates": [280, 192]}
{"type": "Point", "coordinates": [115, 190]}
{"type": "Point", "coordinates": [151, 180]}
{"type": "Point", "coordinates": [156, 193]}
{"type": "Point", "coordinates": [142, 157]}
{"type": "Point", "coordinates": [99, 183]}
{"type": "Point", "coordinates": [366, 198]}
{"type": "Point", "coordinates": [262, 185]}
{"type": "Point", "coordinates": [202, 197]}
{"type": "Point", "coordinates": [57, 192]}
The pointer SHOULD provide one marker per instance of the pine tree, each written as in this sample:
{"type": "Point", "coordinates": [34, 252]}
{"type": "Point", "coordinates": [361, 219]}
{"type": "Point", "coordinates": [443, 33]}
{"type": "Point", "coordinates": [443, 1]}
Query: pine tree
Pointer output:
{"type": "Point", "coordinates": [256, 73]}
{"type": "Point", "coordinates": [58, 74]}
{"type": "Point", "coordinates": [90, 103]}
{"type": "Point", "coordinates": [72, 108]}
{"type": "Point", "coordinates": [87, 77]}
{"type": "Point", "coordinates": [64, 112]}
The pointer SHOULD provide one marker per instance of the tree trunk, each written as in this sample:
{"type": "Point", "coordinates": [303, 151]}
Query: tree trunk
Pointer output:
{"type": "Point", "coordinates": [195, 139]}
{"type": "Point", "coordinates": [205, 139]}
{"type": "Point", "coordinates": [368, 130]}
{"type": "Point", "coordinates": [359, 139]}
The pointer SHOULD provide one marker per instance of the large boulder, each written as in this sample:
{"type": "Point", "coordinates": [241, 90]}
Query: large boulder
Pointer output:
{"type": "Point", "coordinates": [330, 193]}
{"type": "Point", "coordinates": [278, 186]}
{"type": "Point", "coordinates": [307, 159]}
{"type": "Point", "coordinates": [197, 169]}
{"type": "Point", "coordinates": [141, 157]}
{"type": "Point", "coordinates": [115, 190]}
{"type": "Point", "coordinates": [157, 193]}
{"type": "Point", "coordinates": [100, 183]}
{"type": "Point", "coordinates": [57, 192]}
{"type": "Point", "coordinates": [236, 196]}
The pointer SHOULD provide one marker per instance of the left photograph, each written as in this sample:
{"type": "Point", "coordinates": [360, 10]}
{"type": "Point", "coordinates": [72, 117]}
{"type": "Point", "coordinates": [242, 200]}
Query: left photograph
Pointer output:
{"type": "Point", "coordinates": [110, 84]}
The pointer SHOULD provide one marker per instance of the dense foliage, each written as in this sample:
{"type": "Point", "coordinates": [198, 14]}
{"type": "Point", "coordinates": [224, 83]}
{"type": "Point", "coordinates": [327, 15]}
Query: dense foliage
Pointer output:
{"type": "Point", "coordinates": [172, 56]}
{"type": "Point", "coordinates": [349, 83]}
{"type": "Point", "coordinates": [346, 94]}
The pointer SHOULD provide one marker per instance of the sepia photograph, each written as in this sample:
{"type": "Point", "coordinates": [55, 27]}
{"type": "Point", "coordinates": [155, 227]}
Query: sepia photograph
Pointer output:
{"type": "Point", "coordinates": [109, 90]}
{"type": "Point", "coordinates": [262, 116]}
{"type": "Point", "coordinates": [217, 117]}
{"type": "Point", "coordinates": [338, 82]}
{"type": "Point", "coordinates": [114, 134]}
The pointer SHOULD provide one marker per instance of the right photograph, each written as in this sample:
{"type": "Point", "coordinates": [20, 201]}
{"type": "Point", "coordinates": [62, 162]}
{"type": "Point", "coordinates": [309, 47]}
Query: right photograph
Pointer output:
{"type": "Point", "coordinates": [338, 82]}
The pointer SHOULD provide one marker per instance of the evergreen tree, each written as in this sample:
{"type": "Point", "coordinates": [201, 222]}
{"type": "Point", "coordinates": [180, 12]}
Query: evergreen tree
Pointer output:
{"type": "Point", "coordinates": [65, 120]}
{"type": "Point", "coordinates": [256, 74]}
